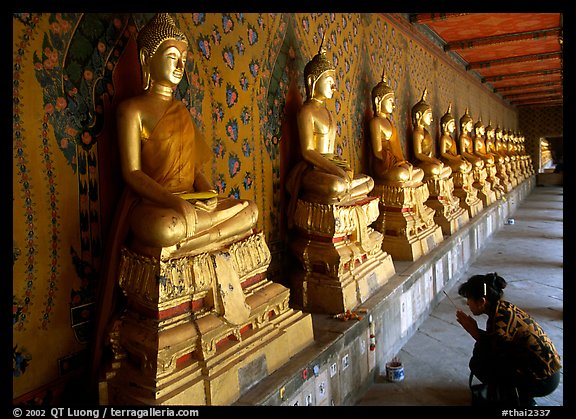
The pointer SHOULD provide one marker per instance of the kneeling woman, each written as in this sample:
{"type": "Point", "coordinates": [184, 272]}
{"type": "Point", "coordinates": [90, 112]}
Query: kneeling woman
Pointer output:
{"type": "Point", "coordinates": [513, 350]}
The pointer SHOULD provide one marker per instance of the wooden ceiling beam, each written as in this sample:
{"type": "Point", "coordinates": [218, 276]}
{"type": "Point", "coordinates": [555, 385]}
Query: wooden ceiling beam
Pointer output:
{"type": "Point", "coordinates": [537, 93]}
{"type": "Point", "coordinates": [423, 18]}
{"type": "Point", "coordinates": [544, 99]}
{"type": "Point", "coordinates": [510, 60]}
{"type": "Point", "coordinates": [500, 39]}
{"type": "Point", "coordinates": [501, 77]}
{"type": "Point", "coordinates": [527, 86]}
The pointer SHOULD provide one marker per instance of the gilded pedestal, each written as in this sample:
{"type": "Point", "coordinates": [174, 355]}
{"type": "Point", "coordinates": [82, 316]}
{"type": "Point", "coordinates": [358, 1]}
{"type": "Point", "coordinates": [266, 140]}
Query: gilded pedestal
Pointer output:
{"type": "Point", "coordinates": [467, 193]}
{"type": "Point", "coordinates": [199, 329]}
{"type": "Point", "coordinates": [449, 215]}
{"type": "Point", "coordinates": [406, 222]}
{"type": "Point", "coordinates": [341, 258]}
{"type": "Point", "coordinates": [485, 193]}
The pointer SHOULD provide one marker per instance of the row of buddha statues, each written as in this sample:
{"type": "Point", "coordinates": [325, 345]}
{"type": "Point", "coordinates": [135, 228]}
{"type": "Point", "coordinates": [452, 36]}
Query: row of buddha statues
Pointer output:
{"type": "Point", "coordinates": [187, 314]}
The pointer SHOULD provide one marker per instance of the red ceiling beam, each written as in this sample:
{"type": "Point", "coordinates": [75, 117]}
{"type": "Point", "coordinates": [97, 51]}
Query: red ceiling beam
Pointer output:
{"type": "Point", "coordinates": [499, 39]}
{"type": "Point", "coordinates": [537, 93]}
{"type": "Point", "coordinates": [520, 59]}
{"type": "Point", "coordinates": [527, 86]}
{"type": "Point", "coordinates": [546, 99]}
{"type": "Point", "coordinates": [521, 74]}
{"type": "Point", "coordinates": [433, 17]}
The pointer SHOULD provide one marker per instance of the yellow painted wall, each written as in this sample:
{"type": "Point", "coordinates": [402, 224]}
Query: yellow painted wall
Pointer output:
{"type": "Point", "coordinates": [239, 74]}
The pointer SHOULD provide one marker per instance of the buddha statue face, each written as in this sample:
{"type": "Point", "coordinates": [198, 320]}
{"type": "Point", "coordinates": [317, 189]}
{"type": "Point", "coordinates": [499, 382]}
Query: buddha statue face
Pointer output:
{"type": "Point", "coordinates": [320, 70]}
{"type": "Point", "coordinates": [422, 112]}
{"type": "Point", "coordinates": [325, 86]}
{"type": "Point", "coordinates": [166, 66]}
{"type": "Point", "coordinates": [447, 122]}
{"type": "Point", "coordinates": [383, 98]}
{"type": "Point", "coordinates": [162, 41]}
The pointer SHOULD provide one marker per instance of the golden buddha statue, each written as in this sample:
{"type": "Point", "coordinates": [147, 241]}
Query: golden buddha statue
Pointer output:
{"type": "Point", "coordinates": [499, 160]}
{"type": "Point", "coordinates": [404, 219]}
{"type": "Point", "coordinates": [448, 146]}
{"type": "Point", "coordinates": [175, 208]}
{"type": "Point", "coordinates": [179, 255]}
{"type": "Point", "coordinates": [479, 146]}
{"type": "Point", "coordinates": [514, 158]}
{"type": "Point", "coordinates": [330, 212]}
{"type": "Point", "coordinates": [449, 215]}
{"type": "Point", "coordinates": [466, 141]}
{"type": "Point", "coordinates": [387, 162]}
{"type": "Point", "coordinates": [502, 150]}
{"type": "Point", "coordinates": [462, 175]}
{"type": "Point", "coordinates": [423, 143]}
{"type": "Point", "coordinates": [321, 176]}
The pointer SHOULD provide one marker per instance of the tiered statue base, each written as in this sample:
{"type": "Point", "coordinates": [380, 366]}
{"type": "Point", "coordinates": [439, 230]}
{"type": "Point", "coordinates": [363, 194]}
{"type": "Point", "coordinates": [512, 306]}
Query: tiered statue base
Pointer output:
{"type": "Point", "coordinates": [406, 222]}
{"type": "Point", "coordinates": [341, 257]}
{"type": "Point", "coordinates": [465, 191]}
{"type": "Point", "coordinates": [201, 329]}
{"type": "Point", "coordinates": [449, 215]}
{"type": "Point", "coordinates": [485, 193]}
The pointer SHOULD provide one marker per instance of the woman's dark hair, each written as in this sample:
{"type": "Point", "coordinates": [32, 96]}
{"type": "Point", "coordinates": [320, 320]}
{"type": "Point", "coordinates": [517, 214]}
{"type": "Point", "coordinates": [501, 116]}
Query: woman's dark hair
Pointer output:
{"type": "Point", "coordinates": [489, 286]}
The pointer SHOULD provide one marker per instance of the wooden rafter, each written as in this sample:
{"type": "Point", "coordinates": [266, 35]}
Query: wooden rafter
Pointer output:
{"type": "Point", "coordinates": [501, 77]}
{"type": "Point", "coordinates": [432, 17]}
{"type": "Point", "coordinates": [509, 60]}
{"type": "Point", "coordinates": [500, 39]}
{"type": "Point", "coordinates": [527, 86]}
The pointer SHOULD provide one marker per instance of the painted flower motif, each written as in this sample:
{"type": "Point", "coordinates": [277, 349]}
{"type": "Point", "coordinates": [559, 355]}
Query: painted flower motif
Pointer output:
{"type": "Point", "coordinates": [216, 35]}
{"type": "Point", "coordinates": [306, 24]}
{"type": "Point", "coordinates": [227, 24]}
{"type": "Point", "coordinates": [218, 113]}
{"type": "Point", "coordinates": [246, 150]}
{"type": "Point", "coordinates": [245, 115]}
{"type": "Point", "coordinates": [240, 47]}
{"type": "Point", "coordinates": [218, 149]}
{"type": "Point", "coordinates": [234, 192]}
{"type": "Point", "coordinates": [231, 95]}
{"type": "Point", "coordinates": [254, 68]}
{"type": "Point", "coordinates": [228, 56]}
{"type": "Point", "coordinates": [221, 184]}
{"type": "Point", "coordinates": [216, 77]}
{"type": "Point", "coordinates": [243, 82]}
{"type": "Point", "coordinates": [232, 130]}
{"type": "Point", "coordinates": [204, 46]}
{"type": "Point", "coordinates": [233, 164]}
{"type": "Point", "coordinates": [247, 182]}
{"type": "Point", "coordinates": [252, 35]}
{"type": "Point", "coordinates": [198, 18]}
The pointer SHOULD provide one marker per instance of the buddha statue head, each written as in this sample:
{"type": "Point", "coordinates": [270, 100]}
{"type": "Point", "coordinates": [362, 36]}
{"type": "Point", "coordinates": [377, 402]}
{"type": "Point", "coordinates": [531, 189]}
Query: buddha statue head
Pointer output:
{"type": "Point", "coordinates": [490, 131]}
{"type": "Point", "coordinates": [479, 129]}
{"type": "Point", "coordinates": [383, 96]}
{"type": "Point", "coordinates": [422, 111]}
{"type": "Point", "coordinates": [448, 122]}
{"type": "Point", "coordinates": [315, 68]}
{"type": "Point", "coordinates": [498, 133]}
{"type": "Point", "coordinates": [159, 29]}
{"type": "Point", "coordinates": [466, 123]}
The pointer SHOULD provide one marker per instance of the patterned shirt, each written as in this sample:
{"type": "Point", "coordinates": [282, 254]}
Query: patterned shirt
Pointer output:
{"type": "Point", "coordinates": [512, 331]}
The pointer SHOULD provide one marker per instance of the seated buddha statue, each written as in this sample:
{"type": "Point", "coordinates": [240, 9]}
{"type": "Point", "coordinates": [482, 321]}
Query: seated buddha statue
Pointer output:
{"type": "Point", "coordinates": [423, 143]}
{"type": "Point", "coordinates": [387, 162]}
{"type": "Point", "coordinates": [321, 176]}
{"type": "Point", "coordinates": [172, 205]}
{"type": "Point", "coordinates": [447, 144]}
{"type": "Point", "coordinates": [466, 141]}
{"type": "Point", "coordinates": [479, 143]}
{"type": "Point", "coordinates": [177, 250]}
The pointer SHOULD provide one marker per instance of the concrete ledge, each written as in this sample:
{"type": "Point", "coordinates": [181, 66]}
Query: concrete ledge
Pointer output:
{"type": "Point", "coordinates": [340, 365]}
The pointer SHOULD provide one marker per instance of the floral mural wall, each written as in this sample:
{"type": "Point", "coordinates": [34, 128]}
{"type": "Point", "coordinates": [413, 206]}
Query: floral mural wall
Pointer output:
{"type": "Point", "coordinates": [243, 85]}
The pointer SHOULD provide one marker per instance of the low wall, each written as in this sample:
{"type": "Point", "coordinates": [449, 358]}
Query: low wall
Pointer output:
{"type": "Point", "coordinates": [339, 366]}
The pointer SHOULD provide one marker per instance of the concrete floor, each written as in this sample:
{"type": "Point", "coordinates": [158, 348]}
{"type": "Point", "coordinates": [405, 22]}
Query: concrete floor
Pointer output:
{"type": "Point", "coordinates": [529, 255]}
